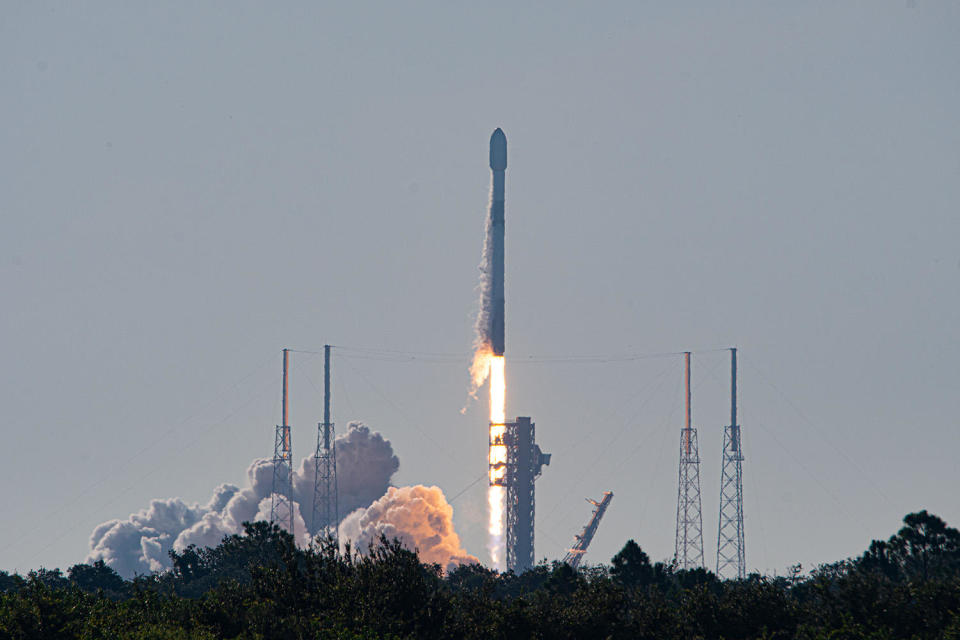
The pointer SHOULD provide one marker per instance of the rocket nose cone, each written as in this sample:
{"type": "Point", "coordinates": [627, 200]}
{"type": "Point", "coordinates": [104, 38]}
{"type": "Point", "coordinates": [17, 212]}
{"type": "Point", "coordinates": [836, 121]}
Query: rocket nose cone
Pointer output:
{"type": "Point", "coordinates": [498, 150]}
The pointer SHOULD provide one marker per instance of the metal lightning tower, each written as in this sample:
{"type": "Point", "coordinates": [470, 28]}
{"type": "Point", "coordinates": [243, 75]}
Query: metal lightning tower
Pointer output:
{"type": "Point", "coordinates": [731, 552]}
{"type": "Point", "coordinates": [325, 515]}
{"type": "Point", "coordinates": [575, 554]}
{"type": "Point", "coordinates": [688, 552]}
{"type": "Point", "coordinates": [524, 465]}
{"type": "Point", "coordinates": [281, 502]}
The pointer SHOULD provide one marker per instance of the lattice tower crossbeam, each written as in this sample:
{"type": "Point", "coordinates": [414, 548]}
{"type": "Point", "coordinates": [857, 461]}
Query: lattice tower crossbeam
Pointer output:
{"type": "Point", "coordinates": [731, 550]}
{"type": "Point", "coordinates": [281, 503]}
{"type": "Point", "coordinates": [689, 537]}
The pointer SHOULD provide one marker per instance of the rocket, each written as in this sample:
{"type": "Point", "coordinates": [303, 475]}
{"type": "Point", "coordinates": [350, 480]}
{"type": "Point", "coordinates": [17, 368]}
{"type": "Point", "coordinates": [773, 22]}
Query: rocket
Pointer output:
{"type": "Point", "coordinates": [498, 168]}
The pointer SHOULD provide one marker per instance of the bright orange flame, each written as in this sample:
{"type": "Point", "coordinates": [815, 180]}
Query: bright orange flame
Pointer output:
{"type": "Point", "coordinates": [480, 367]}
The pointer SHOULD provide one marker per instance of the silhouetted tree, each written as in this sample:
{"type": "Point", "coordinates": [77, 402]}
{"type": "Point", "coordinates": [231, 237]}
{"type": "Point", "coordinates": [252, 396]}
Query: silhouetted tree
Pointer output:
{"type": "Point", "coordinates": [631, 566]}
{"type": "Point", "coordinates": [926, 544]}
{"type": "Point", "coordinates": [10, 582]}
{"type": "Point", "coordinates": [261, 585]}
{"type": "Point", "coordinates": [98, 577]}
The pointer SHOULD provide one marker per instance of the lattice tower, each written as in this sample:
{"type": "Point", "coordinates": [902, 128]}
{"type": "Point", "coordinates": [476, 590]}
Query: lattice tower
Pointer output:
{"type": "Point", "coordinates": [325, 508]}
{"type": "Point", "coordinates": [525, 462]}
{"type": "Point", "coordinates": [688, 549]}
{"type": "Point", "coordinates": [281, 502]}
{"type": "Point", "coordinates": [731, 550]}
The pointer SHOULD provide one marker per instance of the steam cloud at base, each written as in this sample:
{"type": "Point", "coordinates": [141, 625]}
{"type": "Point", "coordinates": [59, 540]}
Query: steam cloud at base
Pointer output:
{"type": "Point", "coordinates": [420, 517]}
{"type": "Point", "coordinates": [140, 544]}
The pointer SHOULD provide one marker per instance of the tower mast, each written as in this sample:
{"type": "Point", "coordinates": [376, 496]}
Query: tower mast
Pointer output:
{"type": "Point", "coordinates": [281, 501]}
{"type": "Point", "coordinates": [731, 551]}
{"type": "Point", "coordinates": [325, 508]}
{"type": "Point", "coordinates": [688, 547]}
{"type": "Point", "coordinates": [525, 462]}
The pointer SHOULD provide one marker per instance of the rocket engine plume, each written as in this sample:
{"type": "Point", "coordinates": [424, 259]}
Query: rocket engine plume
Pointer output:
{"type": "Point", "coordinates": [489, 345]}
{"type": "Point", "coordinates": [496, 497]}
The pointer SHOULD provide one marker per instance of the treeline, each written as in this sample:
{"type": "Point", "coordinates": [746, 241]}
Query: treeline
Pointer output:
{"type": "Point", "coordinates": [260, 585]}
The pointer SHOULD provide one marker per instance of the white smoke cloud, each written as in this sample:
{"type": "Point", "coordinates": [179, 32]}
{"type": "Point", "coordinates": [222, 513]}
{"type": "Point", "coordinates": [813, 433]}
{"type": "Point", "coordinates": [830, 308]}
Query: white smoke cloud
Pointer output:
{"type": "Point", "coordinates": [365, 464]}
{"type": "Point", "coordinates": [141, 543]}
{"type": "Point", "coordinates": [420, 517]}
{"type": "Point", "coordinates": [300, 532]}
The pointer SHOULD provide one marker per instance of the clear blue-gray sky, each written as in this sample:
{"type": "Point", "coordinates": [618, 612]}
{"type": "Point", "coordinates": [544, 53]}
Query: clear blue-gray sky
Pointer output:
{"type": "Point", "coordinates": [186, 188]}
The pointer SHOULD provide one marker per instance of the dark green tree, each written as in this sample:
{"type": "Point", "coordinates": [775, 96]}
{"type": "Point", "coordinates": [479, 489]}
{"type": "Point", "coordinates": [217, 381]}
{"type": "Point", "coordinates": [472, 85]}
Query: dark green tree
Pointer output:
{"type": "Point", "coordinates": [631, 566]}
{"type": "Point", "coordinates": [926, 545]}
{"type": "Point", "coordinates": [98, 577]}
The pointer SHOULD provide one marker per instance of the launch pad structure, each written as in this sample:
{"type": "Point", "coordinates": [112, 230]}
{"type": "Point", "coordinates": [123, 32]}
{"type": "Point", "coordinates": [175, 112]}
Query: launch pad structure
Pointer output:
{"type": "Point", "coordinates": [325, 516]}
{"type": "Point", "coordinates": [524, 464]}
{"type": "Point", "coordinates": [575, 555]}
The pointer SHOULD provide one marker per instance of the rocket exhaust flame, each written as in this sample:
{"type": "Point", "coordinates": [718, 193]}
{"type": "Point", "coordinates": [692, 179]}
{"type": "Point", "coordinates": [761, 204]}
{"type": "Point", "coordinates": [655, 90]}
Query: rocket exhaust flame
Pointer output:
{"type": "Point", "coordinates": [498, 391]}
{"type": "Point", "coordinates": [497, 458]}
{"type": "Point", "coordinates": [497, 501]}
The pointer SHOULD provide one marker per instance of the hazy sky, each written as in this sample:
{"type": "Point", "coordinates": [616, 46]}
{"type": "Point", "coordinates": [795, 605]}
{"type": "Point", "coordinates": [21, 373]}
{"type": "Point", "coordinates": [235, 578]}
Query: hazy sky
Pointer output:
{"type": "Point", "coordinates": [185, 189]}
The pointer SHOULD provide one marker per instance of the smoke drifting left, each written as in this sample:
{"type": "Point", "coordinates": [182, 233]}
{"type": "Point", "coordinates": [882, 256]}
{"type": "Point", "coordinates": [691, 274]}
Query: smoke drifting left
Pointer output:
{"type": "Point", "coordinates": [419, 516]}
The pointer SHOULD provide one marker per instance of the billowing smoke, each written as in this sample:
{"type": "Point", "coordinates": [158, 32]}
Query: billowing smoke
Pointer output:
{"type": "Point", "coordinates": [140, 544]}
{"type": "Point", "coordinates": [420, 517]}
{"type": "Point", "coordinates": [365, 464]}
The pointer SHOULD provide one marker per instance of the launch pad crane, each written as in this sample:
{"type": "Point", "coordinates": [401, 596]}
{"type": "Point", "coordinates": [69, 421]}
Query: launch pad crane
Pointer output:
{"type": "Point", "coordinates": [575, 554]}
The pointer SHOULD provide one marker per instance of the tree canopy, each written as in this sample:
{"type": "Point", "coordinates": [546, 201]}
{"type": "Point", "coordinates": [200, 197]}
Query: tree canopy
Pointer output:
{"type": "Point", "coordinates": [261, 585]}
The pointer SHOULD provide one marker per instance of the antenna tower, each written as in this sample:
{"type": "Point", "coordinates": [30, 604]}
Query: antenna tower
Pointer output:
{"type": "Point", "coordinates": [688, 552]}
{"type": "Point", "coordinates": [575, 554]}
{"type": "Point", "coordinates": [731, 552]}
{"type": "Point", "coordinates": [281, 502]}
{"type": "Point", "coordinates": [325, 514]}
